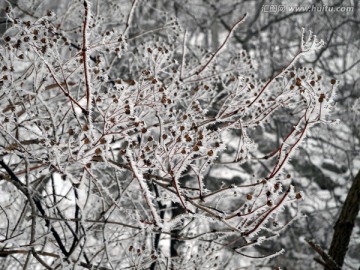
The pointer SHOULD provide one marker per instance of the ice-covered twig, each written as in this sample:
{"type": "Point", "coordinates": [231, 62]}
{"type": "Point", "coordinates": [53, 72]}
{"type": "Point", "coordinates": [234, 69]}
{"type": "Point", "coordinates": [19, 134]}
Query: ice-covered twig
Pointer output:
{"type": "Point", "coordinates": [311, 44]}
{"type": "Point", "coordinates": [85, 57]}
{"type": "Point", "coordinates": [222, 46]}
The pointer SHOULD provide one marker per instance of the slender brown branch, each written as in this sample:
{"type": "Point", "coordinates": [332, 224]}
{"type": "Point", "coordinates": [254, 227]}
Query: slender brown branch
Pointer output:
{"type": "Point", "coordinates": [85, 57]}
{"type": "Point", "coordinates": [268, 213]}
{"type": "Point", "coordinates": [63, 90]}
{"type": "Point", "coordinates": [329, 262]}
{"type": "Point", "coordinates": [222, 45]}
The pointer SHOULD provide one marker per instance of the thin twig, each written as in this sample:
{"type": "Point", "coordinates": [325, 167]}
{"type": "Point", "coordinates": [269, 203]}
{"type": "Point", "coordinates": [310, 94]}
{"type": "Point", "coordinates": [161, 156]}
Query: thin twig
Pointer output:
{"type": "Point", "coordinates": [130, 16]}
{"type": "Point", "coordinates": [183, 56]}
{"type": "Point", "coordinates": [222, 45]}
{"type": "Point", "coordinates": [327, 259]}
{"type": "Point", "coordinates": [85, 57]}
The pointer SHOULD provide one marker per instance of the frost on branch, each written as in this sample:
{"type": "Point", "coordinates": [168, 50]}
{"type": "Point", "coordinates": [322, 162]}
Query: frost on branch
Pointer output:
{"type": "Point", "coordinates": [121, 132]}
{"type": "Point", "coordinates": [311, 43]}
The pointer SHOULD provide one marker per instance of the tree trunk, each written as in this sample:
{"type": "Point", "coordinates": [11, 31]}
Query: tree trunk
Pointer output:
{"type": "Point", "coordinates": [345, 223]}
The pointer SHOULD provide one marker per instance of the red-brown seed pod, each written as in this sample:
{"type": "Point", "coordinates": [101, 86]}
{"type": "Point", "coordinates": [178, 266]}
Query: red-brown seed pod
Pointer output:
{"type": "Point", "coordinates": [321, 97]}
{"type": "Point", "coordinates": [196, 148]}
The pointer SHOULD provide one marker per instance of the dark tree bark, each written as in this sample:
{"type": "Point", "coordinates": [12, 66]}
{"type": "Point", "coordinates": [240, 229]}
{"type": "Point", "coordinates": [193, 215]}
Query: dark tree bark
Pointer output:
{"type": "Point", "coordinates": [345, 223]}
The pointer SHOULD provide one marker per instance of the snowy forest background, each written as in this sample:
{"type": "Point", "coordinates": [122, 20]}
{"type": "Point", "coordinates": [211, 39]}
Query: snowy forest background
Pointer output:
{"type": "Point", "coordinates": [193, 134]}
